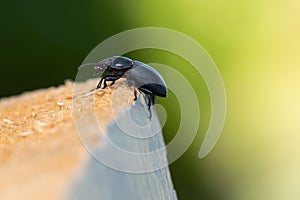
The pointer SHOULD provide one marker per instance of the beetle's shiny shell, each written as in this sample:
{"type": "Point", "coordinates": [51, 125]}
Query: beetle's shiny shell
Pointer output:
{"type": "Point", "coordinates": [144, 76]}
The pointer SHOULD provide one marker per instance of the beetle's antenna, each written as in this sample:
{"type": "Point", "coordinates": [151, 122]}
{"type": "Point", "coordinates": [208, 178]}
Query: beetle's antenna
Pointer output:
{"type": "Point", "coordinates": [99, 68]}
{"type": "Point", "coordinates": [88, 64]}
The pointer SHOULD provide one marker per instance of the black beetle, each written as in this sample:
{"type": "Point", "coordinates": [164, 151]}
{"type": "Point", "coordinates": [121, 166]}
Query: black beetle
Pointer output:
{"type": "Point", "coordinates": [141, 76]}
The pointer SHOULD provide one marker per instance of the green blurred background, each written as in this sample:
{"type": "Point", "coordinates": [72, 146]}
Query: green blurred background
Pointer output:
{"type": "Point", "coordinates": [255, 44]}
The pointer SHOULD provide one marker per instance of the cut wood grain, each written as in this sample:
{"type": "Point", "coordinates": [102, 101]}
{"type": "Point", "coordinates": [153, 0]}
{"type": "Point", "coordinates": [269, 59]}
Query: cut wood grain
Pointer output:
{"type": "Point", "coordinates": [41, 154]}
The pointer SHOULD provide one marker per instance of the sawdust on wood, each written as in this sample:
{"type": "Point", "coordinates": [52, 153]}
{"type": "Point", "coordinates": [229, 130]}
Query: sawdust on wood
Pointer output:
{"type": "Point", "coordinates": [40, 151]}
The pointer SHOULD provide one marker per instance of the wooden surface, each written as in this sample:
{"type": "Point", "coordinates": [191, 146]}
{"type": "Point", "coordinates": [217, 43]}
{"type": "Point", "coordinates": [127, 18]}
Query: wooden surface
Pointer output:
{"type": "Point", "coordinates": [40, 152]}
{"type": "Point", "coordinates": [130, 163]}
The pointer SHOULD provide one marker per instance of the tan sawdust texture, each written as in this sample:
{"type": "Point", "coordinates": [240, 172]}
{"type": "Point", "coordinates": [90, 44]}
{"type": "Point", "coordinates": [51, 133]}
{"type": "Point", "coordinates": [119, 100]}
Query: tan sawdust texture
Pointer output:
{"type": "Point", "coordinates": [40, 151]}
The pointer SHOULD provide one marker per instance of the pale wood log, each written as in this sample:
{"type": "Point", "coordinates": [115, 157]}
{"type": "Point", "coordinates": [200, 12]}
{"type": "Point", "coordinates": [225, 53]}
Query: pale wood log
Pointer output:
{"type": "Point", "coordinates": [42, 157]}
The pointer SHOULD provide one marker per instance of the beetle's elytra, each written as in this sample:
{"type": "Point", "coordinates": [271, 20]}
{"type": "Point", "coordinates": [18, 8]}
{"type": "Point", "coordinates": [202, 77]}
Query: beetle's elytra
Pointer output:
{"type": "Point", "coordinates": [143, 77]}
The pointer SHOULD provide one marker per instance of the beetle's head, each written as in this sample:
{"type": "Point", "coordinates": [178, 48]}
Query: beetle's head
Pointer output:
{"type": "Point", "coordinates": [103, 65]}
{"type": "Point", "coordinates": [116, 64]}
{"type": "Point", "coordinates": [121, 63]}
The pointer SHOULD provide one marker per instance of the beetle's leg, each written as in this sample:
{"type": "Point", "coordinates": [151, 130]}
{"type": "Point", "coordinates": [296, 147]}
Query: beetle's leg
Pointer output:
{"type": "Point", "coordinates": [131, 83]}
{"type": "Point", "coordinates": [134, 92]}
{"type": "Point", "coordinates": [104, 84]}
{"type": "Point", "coordinates": [100, 82]}
{"type": "Point", "coordinates": [150, 98]}
{"type": "Point", "coordinates": [113, 82]}
{"type": "Point", "coordinates": [112, 78]}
